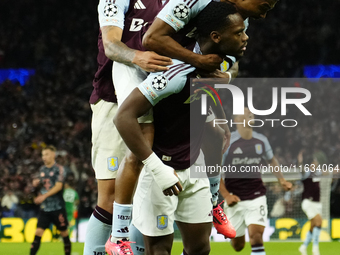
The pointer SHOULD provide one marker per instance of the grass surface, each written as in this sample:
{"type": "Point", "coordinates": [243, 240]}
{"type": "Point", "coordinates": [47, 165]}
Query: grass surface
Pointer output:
{"type": "Point", "coordinates": [275, 248]}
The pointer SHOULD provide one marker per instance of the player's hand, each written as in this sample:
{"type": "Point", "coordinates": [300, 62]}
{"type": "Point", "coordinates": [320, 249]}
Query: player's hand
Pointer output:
{"type": "Point", "coordinates": [173, 190]}
{"type": "Point", "coordinates": [286, 185]}
{"type": "Point", "coordinates": [209, 62]}
{"type": "Point", "coordinates": [39, 199]}
{"type": "Point", "coordinates": [232, 200]}
{"type": "Point", "coordinates": [151, 61]}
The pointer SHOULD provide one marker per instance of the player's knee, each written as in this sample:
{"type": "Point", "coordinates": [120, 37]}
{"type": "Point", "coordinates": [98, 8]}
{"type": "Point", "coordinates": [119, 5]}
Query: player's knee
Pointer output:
{"type": "Point", "coordinates": [133, 161]}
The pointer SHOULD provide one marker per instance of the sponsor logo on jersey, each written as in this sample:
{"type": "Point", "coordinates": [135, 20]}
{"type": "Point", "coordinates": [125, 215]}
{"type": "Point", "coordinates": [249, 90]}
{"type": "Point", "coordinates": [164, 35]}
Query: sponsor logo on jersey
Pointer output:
{"type": "Point", "coordinates": [181, 11]}
{"type": "Point", "coordinates": [137, 24]}
{"type": "Point", "coordinates": [162, 221]}
{"type": "Point", "coordinates": [112, 163]}
{"type": "Point", "coordinates": [51, 173]}
{"type": "Point", "coordinates": [238, 151]}
{"type": "Point", "coordinates": [246, 161]}
{"type": "Point", "coordinates": [159, 83]}
{"type": "Point", "coordinates": [258, 148]}
{"type": "Point", "coordinates": [139, 5]}
{"type": "Point", "coordinates": [110, 10]}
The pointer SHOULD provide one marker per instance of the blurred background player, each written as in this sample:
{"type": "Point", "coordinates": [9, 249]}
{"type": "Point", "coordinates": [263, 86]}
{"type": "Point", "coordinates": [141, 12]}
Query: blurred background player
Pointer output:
{"type": "Point", "coordinates": [311, 204]}
{"type": "Point", "coordinates": [71, 198]}
{"type": "Point", "coordinates": [243, 191]}
{"type": "Point", "coordinates": [52, 205]}
{"type": "Point", "coordinates": [174, 145]}
{"type": "Point", "coordinates": [108, 148]}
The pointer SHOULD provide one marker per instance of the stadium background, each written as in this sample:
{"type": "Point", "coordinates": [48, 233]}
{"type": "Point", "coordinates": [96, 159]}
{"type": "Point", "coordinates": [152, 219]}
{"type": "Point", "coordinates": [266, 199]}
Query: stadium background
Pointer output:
{"type": "Point", "coordinates": [47, 101]}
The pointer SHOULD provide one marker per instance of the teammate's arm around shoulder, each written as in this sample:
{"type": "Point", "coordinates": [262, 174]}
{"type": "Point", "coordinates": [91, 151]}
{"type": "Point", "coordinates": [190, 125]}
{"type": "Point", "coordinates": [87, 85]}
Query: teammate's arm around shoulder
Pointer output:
{"type": "Point", "coordinates": [119, 52]}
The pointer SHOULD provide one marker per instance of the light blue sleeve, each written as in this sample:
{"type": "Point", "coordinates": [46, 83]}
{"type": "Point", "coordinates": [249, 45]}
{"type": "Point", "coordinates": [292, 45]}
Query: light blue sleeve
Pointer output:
{"type": "Point", "coordinates": [112, 12]}
{"type": "Point", "coordinates": [178, 13]}
{"type": "Point", "coordinates": [160, 85]}
{"type": "Point", "coordinates": [268, 151]}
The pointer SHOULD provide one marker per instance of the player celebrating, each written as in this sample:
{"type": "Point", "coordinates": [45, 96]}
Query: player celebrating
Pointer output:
{"type": "Point", "coordinates": [108, 149]}
{"type": "Point", "coordinates": [244, 192]}
{"type": "Point", "coordinates": [52, 204]}
{"type": "Point", "coordinates": [170, 34]}
{"type": "Point", "coordinates": [173, 147]}
{"type": "Point", "coordinates": [311, 204]}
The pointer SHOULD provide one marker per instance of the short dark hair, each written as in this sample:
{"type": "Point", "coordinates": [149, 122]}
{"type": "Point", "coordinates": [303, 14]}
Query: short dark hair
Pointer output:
{"type": "Point", "coordinates": [214, 17]}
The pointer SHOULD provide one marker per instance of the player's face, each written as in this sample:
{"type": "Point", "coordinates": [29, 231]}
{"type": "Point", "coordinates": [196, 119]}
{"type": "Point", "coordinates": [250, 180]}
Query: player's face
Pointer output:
{"type": "Point", "coordinates": [256, 9]}
{"type": "Point", "coordinates": [233, 40]}
{"type": "Point", "coordinates": [247, 117]}
{"type": "Point", "coordinates": [48, 156]}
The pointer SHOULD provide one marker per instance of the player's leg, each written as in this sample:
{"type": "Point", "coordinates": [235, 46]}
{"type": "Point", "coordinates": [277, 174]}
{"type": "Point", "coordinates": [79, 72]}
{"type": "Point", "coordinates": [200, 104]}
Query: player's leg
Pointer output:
{"type": "Point", "coordinates": [59, 219]}
{"type": "Point", "coordinates": [313, 212]}
{"type": "Point", "coordinates": [255, 238]}
{"type": "Point", "coordinates": [153, 215]}
{"type": "Point", "coordinates": [198, 243]}
{"type": "Point", "coordinates": [238, 243]}
{"type": "Point", "coordinates": [37, 240]}
{"type": "Point", "coordinates": [108, 150]}
{"type": "Point", "coordinates": [316, 224]}
{"type": "Point", "coordinates": [212, 148]}
{"type": "Point", "coordinates": [256, 220]}
{"type": "Point", "coordinates": [138, 247]}
{"type": "Point", "coordinates": [43, 223]}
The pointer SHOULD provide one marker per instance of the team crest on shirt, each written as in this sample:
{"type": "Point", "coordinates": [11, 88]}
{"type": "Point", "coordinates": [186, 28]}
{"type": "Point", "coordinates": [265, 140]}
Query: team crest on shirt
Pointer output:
{"type": "Point", "coordinates": [162, 221]}
{"type": "Point", "coordinates": [181, 11]}
{"type": "Point", "coordinates": [42, 174]}
{"type": "Point", "coordinates": [51, 174]}
{"type": "Point", "coordinates": [159, 82]}
{"type": "Point", "coordinates": [110, 10]}
{"type": "Point", "coordinates": [258, 148]}
{"type": "Point", "coordinates": [112, 163]}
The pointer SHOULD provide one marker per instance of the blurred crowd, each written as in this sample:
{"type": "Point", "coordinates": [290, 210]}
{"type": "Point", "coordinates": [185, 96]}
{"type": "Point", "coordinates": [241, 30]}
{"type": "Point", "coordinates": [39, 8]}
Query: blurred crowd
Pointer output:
{"type": "Point", "coordinates": [59, 40]}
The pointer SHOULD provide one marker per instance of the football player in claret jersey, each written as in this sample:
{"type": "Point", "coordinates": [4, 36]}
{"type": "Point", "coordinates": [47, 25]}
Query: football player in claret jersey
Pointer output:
{"type": "Point", "coordinates": [311, 204]}
{"type": "Point", "coordinates": [220, 30]}
{"type": "Point", "coordinates": [52, 205]}
{"type": "Point", "coordinates": [120, 21]}
{"type": "Point", "coordinates": [242, 189]}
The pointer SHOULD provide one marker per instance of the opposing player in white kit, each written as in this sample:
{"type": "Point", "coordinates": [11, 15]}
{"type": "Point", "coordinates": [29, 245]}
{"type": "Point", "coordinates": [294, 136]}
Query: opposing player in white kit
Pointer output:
{"type": "Point", "coordinates": [243, 191]}
{"type": "Point", "coordinates": [311, 204]}
{"type": "Point", "coordinates": [220, 30]}
{"type": "Point", "coordinates": [108, 149]}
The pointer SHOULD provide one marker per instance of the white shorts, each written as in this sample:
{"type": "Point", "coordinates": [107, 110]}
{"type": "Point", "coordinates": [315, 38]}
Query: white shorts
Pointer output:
{"type": "Point", "coordinates": [127, 78]}
{"type": "Point", "coordinates": [311, 208]}
{"type": "Point", "coordinates": [247, 212]}
{"type": "Point", "coordinates": [108, 148]}
{"type": "Point", "coordinates": [154, 213]}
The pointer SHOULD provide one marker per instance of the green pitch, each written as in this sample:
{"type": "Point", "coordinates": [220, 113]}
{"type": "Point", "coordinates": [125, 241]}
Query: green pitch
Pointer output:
{"type": "Point", "coordinates": [272, 248]}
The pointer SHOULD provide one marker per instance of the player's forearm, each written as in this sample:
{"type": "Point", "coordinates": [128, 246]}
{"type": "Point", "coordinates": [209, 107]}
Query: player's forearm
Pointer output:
{"type": "Point", "coordinates": [119, 52]}
{"type": "Point", "coordinates": [167, 46]}
{"type": "Point", "coordinates": [54, 190]}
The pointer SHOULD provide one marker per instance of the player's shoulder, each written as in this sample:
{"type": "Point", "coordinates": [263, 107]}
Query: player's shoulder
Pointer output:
{"type": "Point", "coordinates": [234, 136]}
{"type": "Point", "coordinates": [259, 136]}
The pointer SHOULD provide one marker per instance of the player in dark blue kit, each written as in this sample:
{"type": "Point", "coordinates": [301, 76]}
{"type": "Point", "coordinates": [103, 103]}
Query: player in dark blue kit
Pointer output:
{"type": "Point", "coordinates": [52, 204]}
{"type": "Point", "coordinates": [220, 30]}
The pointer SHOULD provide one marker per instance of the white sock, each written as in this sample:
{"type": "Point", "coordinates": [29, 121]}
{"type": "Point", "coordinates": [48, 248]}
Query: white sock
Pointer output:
{"type": "Point", "coordinates": [121, 221]}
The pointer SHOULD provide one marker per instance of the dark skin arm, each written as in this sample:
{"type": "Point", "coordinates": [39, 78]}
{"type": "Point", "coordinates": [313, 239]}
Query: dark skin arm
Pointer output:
{"type": "Point", "coordinates": [134, 106]}
{"type": "Point", "coordinates": [159, 39]}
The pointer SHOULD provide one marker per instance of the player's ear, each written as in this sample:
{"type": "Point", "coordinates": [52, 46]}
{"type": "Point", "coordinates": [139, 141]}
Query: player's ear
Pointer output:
{"type": "Point", "coordinates": [215, 36]}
